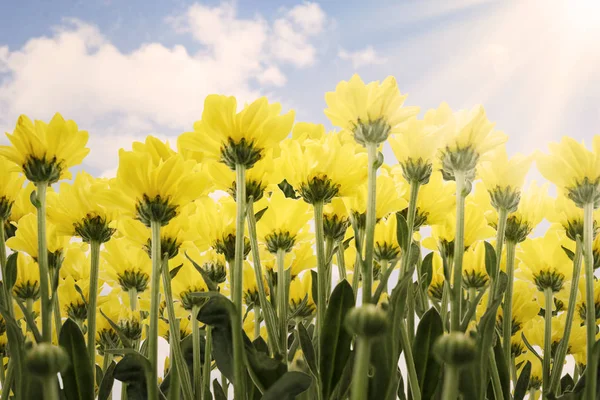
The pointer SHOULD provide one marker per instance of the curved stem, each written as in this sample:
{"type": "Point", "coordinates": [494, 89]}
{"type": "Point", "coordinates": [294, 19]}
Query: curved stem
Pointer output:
{"type": "Point", "coordinates": [154, 302]}
{"type": "Point", "coordinates": [282, 303]}
{"type": "Point", "coordinates": [92, 298]}
{"type": "Point", "coordinates": [196, 353]}
{"type": "Point", "coordinates": [268, 313]}
{"type": "Point", "coordinates": [237, 284]}
{"type": "Point", "coordinates": [507, 306]}
{"type": "Point", "coordinates": [321, 272]}
{"type": "Point", "coordinates": [360, 375]}
{"type": "Point", "coordinates": [412, 209]}
{"type": "Point", "coordinates": [548, 304]}
{"type": "Point", "coordinates": [451, 376]}
{"type": "Point", "coordinates": [207, 363]}
{"type": "Point", "coordinates": [43, 262]}
{"type": "Point", "coordinates": [459, 248]}
{"type": "Point", "coordinates": [561, 352]}
{"type": "Point", "coordinates": [370, 224]}
{"type": "Point", "coordinates": [590, 317]}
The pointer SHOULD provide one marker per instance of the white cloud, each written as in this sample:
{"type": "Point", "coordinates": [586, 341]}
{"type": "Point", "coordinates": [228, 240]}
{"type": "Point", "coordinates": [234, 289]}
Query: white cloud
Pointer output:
{"type": "Point", "coordinates": [123, 96]}
{"type": "Point", "coordinates": [361, 58]}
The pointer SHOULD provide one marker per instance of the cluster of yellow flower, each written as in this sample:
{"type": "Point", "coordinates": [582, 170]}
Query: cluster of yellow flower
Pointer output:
{"type": "Point", "coordinates": [310, 199]}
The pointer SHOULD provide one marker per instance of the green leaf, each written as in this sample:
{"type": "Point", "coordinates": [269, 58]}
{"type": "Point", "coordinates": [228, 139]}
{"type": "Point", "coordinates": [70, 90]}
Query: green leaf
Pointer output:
{"type": "Point", "coordinates": [11, 270]}
{"type": "Point", "coordinates": [566, 383]}
{"type": "Point", "coordinates": [402, 234]}
{"type": "Point", "coordinates": [308, 350]}
{"type": "Point", "coordinates": [490, 259]}
{"type": "Point", "coordinates": [530, 347]}
{"type": "Point", "coordinates": [485, 337]}
{"type": "Point", "coordinates": [174, 271]}
{"type": "Point", "coordinates": [78, 379]}
{"type": "Point", "coordinates": [108, 380]}
{"type": "Point", "coordinates": [258, 215]}
{"type": "Point", "coordinates": [426, 365]}
{"type": "Point", "coordinates": [335, 341]}
{"type": "Point", "coordinates": [288, 386]}
{"type": "Point", "coordinates": [124, 339]}
{"type": "Point", "coordinates": [314, 287]}
{"type": "Point", "coordinates": [218, 391]}
{"type": "Point", "coordinates": [209, 282]}
{"type": "Point", "coordinates": [427, 270]}
{"type": "Point", "coordinates": [134, 370]}
{"type": "Point", "coordinates": [502, 370]}
{"type": "Point", "coordinates": [15, 341]}
{"type": "Point", "coordinates": [523, 382]}
{"type": "Point", "coordinates": [288, 190]}
{"type": "Point", "coordinates": [29, 321]}
{"type": "Point", "coordinates": [569, 253]}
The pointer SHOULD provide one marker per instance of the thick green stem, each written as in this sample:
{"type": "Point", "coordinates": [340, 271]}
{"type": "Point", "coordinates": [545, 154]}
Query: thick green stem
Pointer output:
{"type": "Point", "coordinates": [43, 263]}
{"type": "Point", "coordinates": [496, 384]}
{"type": "Point", "coordinates": [92, 299]}
{"type": "Point", "coordinates": [413, 381]}
{"type": "Point", "coordinates": [507, 306]}
{"type": "Point", "coordinates": [282, 302]}
{"type": "Point", "coordinates": [341, 261]}
{"type": "Point", "coordinates": [370, 224]}
{"type": "Point", "coordinates": [7, 292]}
{"type": "Point", "coordinates": [459, 249]}
{"type": "Point", "coordinates": [360, 375]}
{"type": "Point", "coordinates": [207, 363]}
{"type": "Point", "coordinates": [8, 381]}
{"type": "Point", "coordinates": [590, 310]}
{"type": "Point", "coordinates": [50, 384]}
{"type": "Point", "coordinates": [196, 353]}
{"type": "Point", "coordinates": [328, 259]}
{"type": "Point", "coordinates": [175, 386]}
{"type": "Point", "coordinates": [412, 209]}
{"type": "Point", "coordinates": [451, 376]}
{"type": "Point", "coordinates": [548, 304]}
{"type": "Point", "coordinates": [174, 338]}
{"type": "Point", "coordinates": [256, 321]}
{"type": "Point", "coordinates": [561, 352]}
{"type": "Point", "coordinates": [268, 314]}
{"type": "Point", "coordinates": [321, 272]}
{"type": "Point", "coordinates": [359, 234]}
{"type": "Point", "coordinates": [154, 302]}
{"type": "Point", "coordinates": [237, 285]}
{"type": "Point", "coordinates": [502, 217]}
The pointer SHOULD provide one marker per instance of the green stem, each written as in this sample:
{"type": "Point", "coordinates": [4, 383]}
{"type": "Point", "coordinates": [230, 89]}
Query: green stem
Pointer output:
{"type": "Point", "coordinates": [410, 362]}
{"type": "Point", "coordinates": [358, 239]}
{"type": "Point", "coordinates": [341, 261]}
{"type": "Point", "coordinates": [451, 376]}
{"type": "Point", "coordinates": [507, 306]}
{"type": "Point", "coordinates": [459, 248]}
{"type": "Point", "coordinates": [590, 317]}
{"type": "Point", "coordinates": [2, 372]}
{"type": "Point", "coordinates": [174, 338]}
{"type": "Point", "coordinates": [548, 303]}
{"type": "Point", "coordinates": [43, 263]}
{"type": "Point", "coordinates": [561, 352]}
{"type": "Point", "coordinates": [412, 209]}
{"type": "Point", "coordinates": [51, 387]}
{"type": "Point", "coordinates": [502, 217]}
{"type": "Point", "coordinates": [56, 307]}
{"type": "Point", "coordinates": [3, 260]}
{"type": "Point", "coordinates": [92, 299]}
{"type": "Point", "coordinates": [207, 363]}
{"type": "Point", "coordinates": [321, 273]}
{"type": "Point", "coordinates": [360, 375]}
{"type": "Point", "coordinates": [106, 361]}
{"type": "Point", "coordinates": [237, 285]}
{"type": "Point", "coordinates": [532, 392]}
{"type": "Point", "coordinates": [175, 386]}
{"type": "Point", "coordinates": [282, 303]}
{"type": "Point", "coordinates": [268, 314]}
{"type": "Point", "coordinates": [496, 384]}
{"type": "Point", "coordinates": [154, 302]}
{"type": "Point", "coordinates": [256, 321]}
{"type": "Point", "coordinates": [328, 260]}
{"type": "Point", "coordinates": [8, 381]}
{"type": "Point", "coordinates": [196, 353]}
{"type": "Point", "coordinates": [370, 224]}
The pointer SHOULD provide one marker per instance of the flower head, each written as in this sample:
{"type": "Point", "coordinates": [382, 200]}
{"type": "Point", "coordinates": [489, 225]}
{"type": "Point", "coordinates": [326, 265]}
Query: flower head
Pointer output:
{"type": "Point", "coordinates": [11, 183]}
{"type": "Point", "coordinates": [186, 282]}
{"type": "Point", "coordinates": [26, 237]}
{"type": "Point", "coordinates": [126, 265]}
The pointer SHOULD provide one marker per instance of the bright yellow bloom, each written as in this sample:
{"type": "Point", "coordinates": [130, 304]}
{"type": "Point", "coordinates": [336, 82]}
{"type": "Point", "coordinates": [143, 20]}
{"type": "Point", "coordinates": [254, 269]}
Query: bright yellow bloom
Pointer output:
{"type": "Point", "coordinates": [249, 326]}
{"type": "Point", "coordinates": [569, 216]}
{"type": "Point", "coordinates": [544, 262]}
{"type": "Point", "coordinates": [126, 265]}
{"type": "Point", "coordinates": [11, 183]}
{"type": "Point", "coordinates": [535, 380]}
{"type": "Point", "coordinates": [158, 150]}
{"type": "Point", "coordinates": [211, 262]}
{"type": "Point", "coordinates": [524, 304]}
{"type": "Point", "coordinates": [301, 301]}
{"type": "Point", "coordinates": [26, 237]}
{"type": "Point", "coordinates": [185, 325]}
{"type": "Point", "coordinates": [231, 137]}
{"type": "Point", "coordinates": [106, 336]}
{"type": "Point", "coordinates": [355, 104]}
{"type": "Point", "coordinates": [386, 240]}
{"type": "Point", "coordinates": [500, 172]}
{"type": "Point", "coordinates": [474, 273]}
{"type": "Point", "coordinates": [306, 130]}
{"type": "Point", "coordinates": [390, 197]}
{"type": "Point", "coordinates": [22, 203]}
{"type": "Point", "coordinates": [250, 286]}
{"type": "Point", "coordinates": [73, 304]}
{"type": "Point", "coordinates": [436, 286]}
{"type": "Point", "coordinates": [187, 281]}
{"type": "Point", "coordinates": [150, 191]}
{"type": "Point", "coordinates": [320, 170]}
{"type": "Point", "coordinates": [27, 284]}
{"type": "Point", "coordinates": [75, 209]}
{"type": "Point", "coordinates": [301, 258]}
{"type": "Point", "coordinates": [45, 152]}
{"type": "Point", "coordinates": [581, 304]}
{"type": "Point", "coordinates": [570, 163]}
{"type": "Point", "coordinates": [76, 263]}
{"type": "Point", "coordinates": [215, 224]}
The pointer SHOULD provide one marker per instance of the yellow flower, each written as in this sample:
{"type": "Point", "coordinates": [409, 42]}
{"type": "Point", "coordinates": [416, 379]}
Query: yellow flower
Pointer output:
{"type": "Point", "coordinates": [75, 209]}
{"type": "Point", "coordinates": [27, 284]}
{"type": "Point", "coordinates": [26, 237]}
{"type": "Point", "coordinates": [22, 203]}
{"type": "Point", "coordinates": [535, 204]}
{"type": "Point", "coordinates": [544, 262]}
{"type": "Point", "coordinates": [581, 304]}
{"type": "Point", "coordinates": [238, 138]}
{"type": "Point", "coordinates": [153, 191]}
{"type": "Point", "coordinates": [11, 183]}
{"type": "Point", "coordinates": [249, 326]}
{"type": "Point", "coordinates": [45, 152]}
{"type": "Point", "coordinates": [306, 130]}
{"type": "Point", "coordinates": [185, 325]}
{"type": "Point", "coordinates": [250, 286]}
{"type": "Point", "coordinates": [336, 220]}
{"type": "Point", "coordinates": [535, 380]}
{"type": "Point", "coordinates": [301, 258]}
{"type": "Point", "coordinates": [571, 166]}
{"type": "Point", "coordinates": [76, 263]}
{"type": "Point", "coordinates": [106, 336]}
{"type": "Point", "coordinates": [187, 281]}
{"type": "Point", "coordinates": [73, 304]}
{"type": "Point", "coordinates": [126, 265]}
{"type": "Point", "coordinates": [284, 223]}
{"type": "Point", "coordinates": [158, 150]}
{"type": "Point", "coordinates": [569, 216]}
{"type": "Point", "coordinates": [211, 262]}
{"type": "Point", "coordinates": [371, 111]}
{"type": "Point", "coordinates": [389, 198]}
{"type": "Point", "coordinates": [524, 304]}
{"type": "Point", "coordinates": [386, 241]}
{"type": "Point", "coordinates": [474, 274]}
{"type": "Point", "coordinates": [302, 304]}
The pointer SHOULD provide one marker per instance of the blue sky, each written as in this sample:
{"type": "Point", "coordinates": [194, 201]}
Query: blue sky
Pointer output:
{"type": "Point", "coordinates": [125, 69]}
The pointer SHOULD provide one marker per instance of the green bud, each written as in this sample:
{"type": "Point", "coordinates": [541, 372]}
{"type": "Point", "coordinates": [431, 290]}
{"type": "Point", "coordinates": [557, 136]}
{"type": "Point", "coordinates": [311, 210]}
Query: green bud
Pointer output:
{"type": "Point", "coordinates": [367, 321]}
{"type": "Point", "coordinates": [46, 360]}
{"type": "Point", "coordinates": [372, 131]}
{"type": "Point", "coordinates": [455, 348]}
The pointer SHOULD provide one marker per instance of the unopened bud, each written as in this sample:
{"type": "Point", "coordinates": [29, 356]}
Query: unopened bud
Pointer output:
{"type": "Point", "coordinates": [455, 348]}
{"type": "Point", "coordinates": [367, 321]}
{"type": "Point", "coordinates": [46, 360]}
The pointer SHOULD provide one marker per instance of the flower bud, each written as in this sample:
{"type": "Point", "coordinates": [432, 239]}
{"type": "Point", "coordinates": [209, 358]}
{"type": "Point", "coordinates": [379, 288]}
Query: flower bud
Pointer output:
{"type": "Point", "coordinates": [455, 348]}
{"type": "Point", "coordinates": [367, 321]}
{"type": "Point", "coordinates": [46, 359]}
